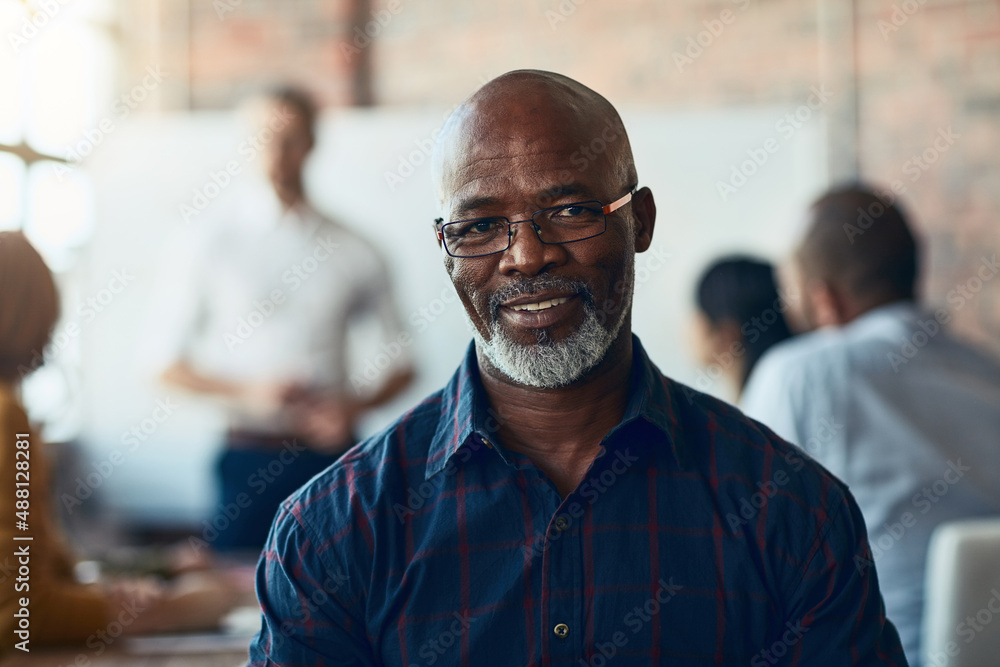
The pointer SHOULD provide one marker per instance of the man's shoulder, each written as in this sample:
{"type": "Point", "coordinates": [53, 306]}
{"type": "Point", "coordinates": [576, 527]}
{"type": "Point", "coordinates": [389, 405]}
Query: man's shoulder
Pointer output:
{"type": "Point", "coordinates": [706, 413]}
{"type": "Point", "coordinates": [872, 347]}
{"type": "Point", "coordinates": [822, 358]}
{"type": "Point", "coordinates": [809, 351]}
{"type": "Point", "coordinates": [741, 447]}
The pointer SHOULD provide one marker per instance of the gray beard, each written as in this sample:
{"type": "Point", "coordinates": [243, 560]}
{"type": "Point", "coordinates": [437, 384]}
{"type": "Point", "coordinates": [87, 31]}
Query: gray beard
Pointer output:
{"type": "Point", "coordinates": [548, 364]}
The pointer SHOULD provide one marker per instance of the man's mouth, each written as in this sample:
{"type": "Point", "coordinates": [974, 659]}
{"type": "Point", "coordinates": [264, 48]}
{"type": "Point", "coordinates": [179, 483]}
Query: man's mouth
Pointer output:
{"type": "Point", "coordinates": [540, 311]}
{"type": "Point", "coordinates": [539, 305]}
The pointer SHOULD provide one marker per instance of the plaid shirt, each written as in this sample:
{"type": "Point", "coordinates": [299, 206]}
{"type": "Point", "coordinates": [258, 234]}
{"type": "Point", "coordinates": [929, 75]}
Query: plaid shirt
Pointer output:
{"type": "Point", "coordinates": [696, 537]}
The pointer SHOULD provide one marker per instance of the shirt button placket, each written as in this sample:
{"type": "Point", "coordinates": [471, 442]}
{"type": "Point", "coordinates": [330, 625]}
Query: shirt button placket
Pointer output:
{"type": "Point", "coordinates": [563, 575]}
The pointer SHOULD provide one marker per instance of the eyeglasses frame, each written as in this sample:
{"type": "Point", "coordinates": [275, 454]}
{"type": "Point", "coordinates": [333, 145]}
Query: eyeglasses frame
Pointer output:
{"type": "Point", "coordinates": [440, 224]}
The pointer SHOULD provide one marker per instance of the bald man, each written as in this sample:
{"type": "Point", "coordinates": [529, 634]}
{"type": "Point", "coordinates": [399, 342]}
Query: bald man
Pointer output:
{"type": "Point", "coordinates": [881, 394]}
{"type": "Point", "coordinates": [560, 501]}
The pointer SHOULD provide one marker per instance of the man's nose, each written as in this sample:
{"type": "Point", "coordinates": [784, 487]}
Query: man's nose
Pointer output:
{"type": "Point", "coordinates": [527, 254]}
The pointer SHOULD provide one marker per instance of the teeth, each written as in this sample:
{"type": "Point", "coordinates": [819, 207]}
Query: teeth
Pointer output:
{"type": "Point", "coordinates": [540, 305]}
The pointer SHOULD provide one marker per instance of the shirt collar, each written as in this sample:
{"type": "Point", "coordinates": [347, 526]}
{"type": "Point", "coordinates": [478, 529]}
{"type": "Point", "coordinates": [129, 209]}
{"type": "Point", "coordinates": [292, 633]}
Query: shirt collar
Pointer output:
{"type": "Point", "coordinates": [466, 417]}
{"type": "Point", "coordinates": [888, 312]}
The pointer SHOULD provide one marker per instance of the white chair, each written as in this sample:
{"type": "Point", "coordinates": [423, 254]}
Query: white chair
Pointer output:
{"type": "Point", "coordinates": [961, 625]}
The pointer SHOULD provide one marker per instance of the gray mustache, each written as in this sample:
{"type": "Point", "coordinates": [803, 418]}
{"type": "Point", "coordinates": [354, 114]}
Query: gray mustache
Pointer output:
{"type": "Point", "coordinates": [537, 285]}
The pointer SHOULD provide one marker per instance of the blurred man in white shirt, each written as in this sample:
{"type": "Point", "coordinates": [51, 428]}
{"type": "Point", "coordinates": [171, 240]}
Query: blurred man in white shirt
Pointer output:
{"type": "Point", "coordinates": [881, 394]}
{"type": "Point", "coordinates": [262, 321]}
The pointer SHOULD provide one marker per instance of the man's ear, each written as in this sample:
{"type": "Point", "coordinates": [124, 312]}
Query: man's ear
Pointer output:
{"type": "Point", "coordinates": [644, 210]}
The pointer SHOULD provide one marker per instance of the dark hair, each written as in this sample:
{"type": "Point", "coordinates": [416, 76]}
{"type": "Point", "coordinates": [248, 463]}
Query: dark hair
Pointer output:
{"type": "Point", "coordinates": [29, 306]}
{"type": "Point", "coordinates": [298, 99]}
{"type": "Point", "coordinates": [861, 241]}
{"type": "Point", "coordinates": [743, 290]}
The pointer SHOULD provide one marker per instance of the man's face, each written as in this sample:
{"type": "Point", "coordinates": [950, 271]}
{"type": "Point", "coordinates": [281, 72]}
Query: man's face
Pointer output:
{"type": "Point", "coordinates": [284, 156]}
{"type": "Point", "coordinates": [543, 314]}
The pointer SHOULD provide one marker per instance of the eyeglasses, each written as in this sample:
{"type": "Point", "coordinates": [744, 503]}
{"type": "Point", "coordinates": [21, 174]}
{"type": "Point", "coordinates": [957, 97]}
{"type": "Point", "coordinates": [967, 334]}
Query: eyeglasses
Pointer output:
{"type": "Point", "coordinates": [567, 223]}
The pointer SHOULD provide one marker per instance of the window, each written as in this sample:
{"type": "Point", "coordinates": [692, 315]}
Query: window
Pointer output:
{"type": "Point", "coordinates": [56, 76]}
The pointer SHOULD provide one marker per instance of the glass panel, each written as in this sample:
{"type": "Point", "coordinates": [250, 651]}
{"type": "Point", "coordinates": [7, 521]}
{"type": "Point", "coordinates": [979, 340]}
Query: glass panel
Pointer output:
{"type": "Point", "coordinates": [61, 87]}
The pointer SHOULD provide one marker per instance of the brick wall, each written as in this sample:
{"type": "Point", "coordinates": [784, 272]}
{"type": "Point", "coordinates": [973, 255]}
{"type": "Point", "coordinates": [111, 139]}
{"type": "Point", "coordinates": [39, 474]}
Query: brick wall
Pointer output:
{"type": "Point", "coordinates": [901, 72]}
{"type": "Point", "coordinates": [922, 73]}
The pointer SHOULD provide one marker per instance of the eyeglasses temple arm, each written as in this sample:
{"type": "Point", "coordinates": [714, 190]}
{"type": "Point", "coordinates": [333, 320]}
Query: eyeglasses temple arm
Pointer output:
{"type": "Point", "coordinates": [617, 204]}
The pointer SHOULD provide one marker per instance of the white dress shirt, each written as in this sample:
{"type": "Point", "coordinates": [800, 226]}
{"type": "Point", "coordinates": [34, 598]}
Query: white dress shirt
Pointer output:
{"type": "Point", "coordinates": [907, 416]}
{"type": "Point", "coordinates": [267, 295]}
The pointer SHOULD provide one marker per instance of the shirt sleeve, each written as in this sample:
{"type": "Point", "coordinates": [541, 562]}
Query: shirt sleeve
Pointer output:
{"type": "Point", "coordinates": [309, 615]}
{"type": "Point", "coordinates": [178, 294]}
{"type": "Point", "coordinates": [836, 615]}
{"type": "Point", "coordinates": [378, 300]}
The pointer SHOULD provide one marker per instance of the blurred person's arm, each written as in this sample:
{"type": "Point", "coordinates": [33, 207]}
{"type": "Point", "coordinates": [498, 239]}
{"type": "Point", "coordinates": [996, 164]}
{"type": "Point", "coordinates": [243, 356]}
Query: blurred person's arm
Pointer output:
{"type": "Point", "coordinates": [261, 398]}
{"type": "Point", "coordinates": [192, 602]}
{"type": "Point", "coordinates": [395, 385]}
{"type": "Point", "coordinates": [328, 421]}
{"type": "Point", "coordinates": [381, 301]}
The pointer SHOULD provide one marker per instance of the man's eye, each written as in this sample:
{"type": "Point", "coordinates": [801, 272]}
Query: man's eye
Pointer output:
{"type": "Point", "coordinates": [577, 213]}
{"type": "Point", "coordinates": [483, 226]}
{"type": "Point", "coordinates": [475, 227]}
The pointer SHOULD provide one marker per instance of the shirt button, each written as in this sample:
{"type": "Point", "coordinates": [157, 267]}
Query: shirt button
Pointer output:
{"type": "Point", "coordinates": [562, 523]}
{"type": "Point", "coordinates": [561, 631]}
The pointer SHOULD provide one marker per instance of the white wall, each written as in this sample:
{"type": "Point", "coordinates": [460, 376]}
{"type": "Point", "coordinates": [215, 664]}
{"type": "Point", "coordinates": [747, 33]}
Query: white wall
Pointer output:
{"type": "Point", "coordinates": [148, 167]}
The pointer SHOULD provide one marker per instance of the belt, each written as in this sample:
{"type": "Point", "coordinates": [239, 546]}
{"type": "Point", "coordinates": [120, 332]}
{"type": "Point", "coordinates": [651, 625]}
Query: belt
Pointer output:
{"type": "Point", "coordinates": [243, 439]}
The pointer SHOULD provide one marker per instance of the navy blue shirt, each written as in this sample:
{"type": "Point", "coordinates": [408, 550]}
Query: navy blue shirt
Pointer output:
{"type": "Point", "coordinates": [697, 536]}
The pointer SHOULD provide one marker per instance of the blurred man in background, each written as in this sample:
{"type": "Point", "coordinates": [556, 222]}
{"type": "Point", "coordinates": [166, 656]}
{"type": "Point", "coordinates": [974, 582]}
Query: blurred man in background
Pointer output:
{"type": "Point", "coordinates": [881, 394]}
{"type": "Point", "coordinates": [262, 323]}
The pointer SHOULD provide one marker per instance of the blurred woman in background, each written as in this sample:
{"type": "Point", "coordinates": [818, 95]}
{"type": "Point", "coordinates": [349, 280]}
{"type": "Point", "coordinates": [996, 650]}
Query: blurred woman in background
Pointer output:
{"type": "Point", "coordinates": [739, 317]}
{"type": "Point", "coordinates": [59, 609]}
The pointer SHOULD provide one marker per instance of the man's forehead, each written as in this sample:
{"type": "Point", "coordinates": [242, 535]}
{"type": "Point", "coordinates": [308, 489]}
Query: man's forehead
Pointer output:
{"type": "Point", "coordinates": [525, 125]}
{"type": "Point", "coordinates": [526, 150]}
{"type": "Point", "coordinates": [493, 147]}
{"type": "Point", "coordinates": [541, 187]}
{"type": "Point", "coordinates": [519, 128]}
{"type": "Point", "coordinates": [538, 172]}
